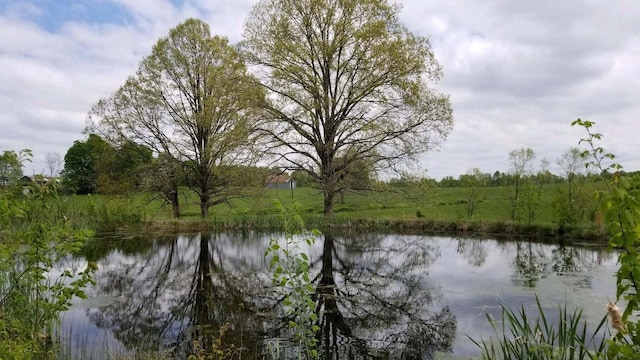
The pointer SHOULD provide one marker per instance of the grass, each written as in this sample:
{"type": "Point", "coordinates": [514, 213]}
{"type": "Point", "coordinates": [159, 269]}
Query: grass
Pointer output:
{"type": "Point", "coordinates": [399, 209]}
{"type": "Point", "coordinates": [408, 209]}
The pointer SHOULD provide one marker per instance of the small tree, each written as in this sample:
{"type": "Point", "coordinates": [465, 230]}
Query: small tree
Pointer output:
{"type": "Point", "coordinates": [520, 163]}
{"type": "Point", "coordinates": [358, 177]}
{"type": "Point", "coordinates": [473, 181]}
{"type": "Point", "coordinates": [54, 163]}
{"type": "Point", "coordinates": [119, 169]}
{"type": "Point", "coordinates": [532, 190]}
{"type": "Point", "coordinates": [572, 205]}
{"type": "Point", "coordinates": [621, 213]}
{"type": "Point", "coordinates": [35, 286]}
{"type": "Point", "coordinates": [302, 178]}
{"type": "Point", "coordinates": [11, 165]}
{"type": "Point", "coordinates": [163, 177]}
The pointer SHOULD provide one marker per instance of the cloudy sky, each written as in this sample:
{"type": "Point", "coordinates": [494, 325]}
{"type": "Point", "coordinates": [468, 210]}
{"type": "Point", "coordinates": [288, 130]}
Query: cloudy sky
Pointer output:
{"type": "Point", "coordinates": [518, 72]}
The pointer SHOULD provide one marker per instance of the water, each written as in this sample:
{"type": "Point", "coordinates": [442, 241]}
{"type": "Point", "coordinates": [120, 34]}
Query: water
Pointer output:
{"type": "Point", "coordinates": [398, 296]}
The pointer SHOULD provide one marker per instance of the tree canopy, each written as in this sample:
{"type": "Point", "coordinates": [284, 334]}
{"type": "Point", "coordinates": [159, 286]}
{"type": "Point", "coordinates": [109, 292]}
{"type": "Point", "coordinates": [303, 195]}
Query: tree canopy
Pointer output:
{"type": "Point", "coordinates": [191, 99]}
{"type": "Point", "coordinates": [571, 163]}
{"type": "Point", "coordinates": [80, 162]}
{"type": "Point", "coordinates": [94, 165]}
{"type": "Point", "coordinates": [347, 83]}
{"type": "Point", "coordinates": [11, 165]}
{"type": "Point", "coordinates": [120, 168]}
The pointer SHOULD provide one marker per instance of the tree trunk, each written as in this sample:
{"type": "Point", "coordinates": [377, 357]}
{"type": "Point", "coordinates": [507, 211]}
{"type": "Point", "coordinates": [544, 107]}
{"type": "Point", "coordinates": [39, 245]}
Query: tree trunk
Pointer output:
{"type": "Point", "coordinates": [175, 202]}
{"type": "Point", "coordinates": [176, 209]}
{"type": "Point", "coordinates": [514, 204]}
{"type": "Point", "coordinates": [203, 293]}
{"type": "Point", "coordinates": [204, 207]}
{"type": "Point", "coordinates": [329, 197]}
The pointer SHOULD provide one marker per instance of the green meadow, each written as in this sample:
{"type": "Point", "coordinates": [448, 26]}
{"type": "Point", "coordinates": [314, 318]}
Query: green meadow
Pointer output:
{"type": "Point", "coordinates": [412, 208]}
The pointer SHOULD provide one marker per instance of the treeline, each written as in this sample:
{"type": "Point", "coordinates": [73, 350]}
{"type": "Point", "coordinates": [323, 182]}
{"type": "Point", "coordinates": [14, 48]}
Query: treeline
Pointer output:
{"type": "Point", "coordinates": [94, 166]}
{"type": "Point", "coordinates": [571, 166]}
{"type": "Point", "coordinates": [490, 180]}
{"type": "Point", "coordinates": [505, 179]}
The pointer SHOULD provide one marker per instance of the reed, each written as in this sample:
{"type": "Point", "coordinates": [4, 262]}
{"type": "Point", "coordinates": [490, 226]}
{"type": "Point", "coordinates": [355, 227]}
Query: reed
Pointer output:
{"type": "Point", "coordinates": [517, 336]}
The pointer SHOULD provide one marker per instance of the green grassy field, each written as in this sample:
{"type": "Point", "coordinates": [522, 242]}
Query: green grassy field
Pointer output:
{"type": "Point", "coordinates": [438, 204]}
{"type": "Point", "coordinates": [403, 208]}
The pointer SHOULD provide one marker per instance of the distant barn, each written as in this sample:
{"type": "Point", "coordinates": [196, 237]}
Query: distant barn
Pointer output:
{"type": "Point", "coordinates": [280, 182]}
{"type": "Point", "coordinates": [38, 179]}
{"type": "Point", "coordinates": [29, 180]}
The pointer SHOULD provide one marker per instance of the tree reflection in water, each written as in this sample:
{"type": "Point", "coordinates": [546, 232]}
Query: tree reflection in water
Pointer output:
{"type": "Point", "coordinates": [370, 301]}
{"type": "Point", "coordinates": [181, 293]}
{"type": "Point", "coordinates": [533, 261]}
{"type": "Point", "coordinates": [371, 306]}
{"type": "Point", "coordinates": [473, 250]}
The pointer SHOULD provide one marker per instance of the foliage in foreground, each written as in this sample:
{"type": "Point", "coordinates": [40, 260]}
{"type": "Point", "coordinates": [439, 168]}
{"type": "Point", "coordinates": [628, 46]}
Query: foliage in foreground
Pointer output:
{"type": "Point", "coordinates": [520, 338]}
{"type": "Point", "coordinates": [568, 339]}
{"type": "Point", "coordinates": [32, 295]}
{"type": "Point", "coordinates": [289, 264]}
{"type": "Point", "coordinates": [621, 215]}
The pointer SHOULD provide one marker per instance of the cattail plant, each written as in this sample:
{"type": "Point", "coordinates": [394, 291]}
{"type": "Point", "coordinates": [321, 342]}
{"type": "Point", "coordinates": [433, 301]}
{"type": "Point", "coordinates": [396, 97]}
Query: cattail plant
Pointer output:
{"type": "Point", "coordinates": [615, 316]}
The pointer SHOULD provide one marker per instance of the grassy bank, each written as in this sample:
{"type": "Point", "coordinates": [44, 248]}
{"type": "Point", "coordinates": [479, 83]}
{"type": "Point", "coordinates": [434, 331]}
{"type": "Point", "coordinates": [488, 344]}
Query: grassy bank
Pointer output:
{"type": "Point", "coordinates": [418, 210]}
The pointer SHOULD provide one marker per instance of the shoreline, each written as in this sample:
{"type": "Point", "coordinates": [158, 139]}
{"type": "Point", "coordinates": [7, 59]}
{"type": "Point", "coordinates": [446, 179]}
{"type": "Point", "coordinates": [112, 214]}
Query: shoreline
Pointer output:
{"type": "Point", "coordinates": [548, 233]}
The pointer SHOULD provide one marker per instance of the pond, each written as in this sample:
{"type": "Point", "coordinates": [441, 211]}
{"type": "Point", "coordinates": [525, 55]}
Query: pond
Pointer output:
{"type": "Point", "coordinates": [377, 296]}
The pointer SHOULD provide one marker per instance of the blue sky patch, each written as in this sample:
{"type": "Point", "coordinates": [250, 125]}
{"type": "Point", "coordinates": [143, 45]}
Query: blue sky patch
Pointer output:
{"type": "Point", "coordinates": [52, 14]}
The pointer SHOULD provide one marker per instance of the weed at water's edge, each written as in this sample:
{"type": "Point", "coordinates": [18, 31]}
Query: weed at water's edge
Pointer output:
{"type": "Point", "coordinates": [519, 337]}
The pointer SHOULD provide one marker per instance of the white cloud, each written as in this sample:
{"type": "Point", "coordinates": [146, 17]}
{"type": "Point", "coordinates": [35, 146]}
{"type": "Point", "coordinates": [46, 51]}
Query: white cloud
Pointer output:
{"type": "Point", "coordinates": [518, 72]}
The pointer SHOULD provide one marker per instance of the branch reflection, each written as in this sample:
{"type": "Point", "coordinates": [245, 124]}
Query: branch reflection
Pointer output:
{"type": "Point", "coordinates": [180, 294]}
{"type": "Point", "coordinates": [535, 261]}
{"type": "Point", "coordinates": [370, 294]}
{"type": "Point", "coordinates": [371, 301]}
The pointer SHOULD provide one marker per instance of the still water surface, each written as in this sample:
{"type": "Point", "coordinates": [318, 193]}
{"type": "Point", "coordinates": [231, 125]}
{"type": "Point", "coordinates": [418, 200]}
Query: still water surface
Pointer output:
{"type": "Point", "coordinates": [377, 296]}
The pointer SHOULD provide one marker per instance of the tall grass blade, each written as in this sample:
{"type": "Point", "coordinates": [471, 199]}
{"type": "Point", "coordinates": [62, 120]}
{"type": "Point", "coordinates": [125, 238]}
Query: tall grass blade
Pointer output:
{"type": "Point", "coordinates": [519, 337]}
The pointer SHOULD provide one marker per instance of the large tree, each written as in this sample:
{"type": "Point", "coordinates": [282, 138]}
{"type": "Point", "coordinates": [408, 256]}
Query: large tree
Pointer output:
{"type": "Point", "coordinates": [347, 83]}
{"type": "Point", "coordinates": [191, 100]}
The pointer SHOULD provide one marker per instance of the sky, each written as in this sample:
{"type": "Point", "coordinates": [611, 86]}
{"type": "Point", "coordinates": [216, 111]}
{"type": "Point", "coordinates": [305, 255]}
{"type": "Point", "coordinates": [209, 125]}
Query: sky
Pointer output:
{"type": "Point", "coordinates": [518, 72]}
